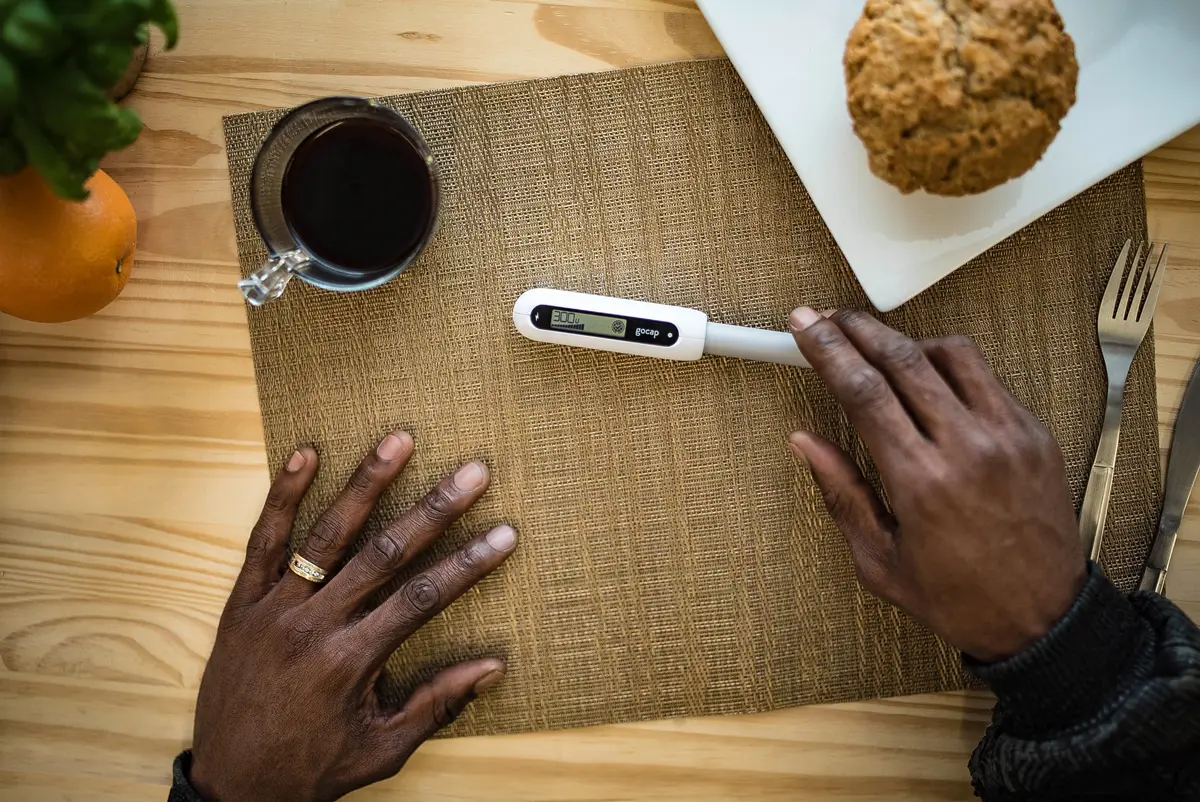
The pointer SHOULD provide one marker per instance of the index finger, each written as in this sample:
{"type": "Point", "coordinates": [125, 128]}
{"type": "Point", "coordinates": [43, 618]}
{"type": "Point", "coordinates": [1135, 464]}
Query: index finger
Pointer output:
{"type": "Point", "coordinates": [869, 400]}
{"type": "Point", "coordinates": [393, 548]}
{"type": "Point", "coordinates": [921, 388]}
{"type": "Point", "coordinates": [430, 592]}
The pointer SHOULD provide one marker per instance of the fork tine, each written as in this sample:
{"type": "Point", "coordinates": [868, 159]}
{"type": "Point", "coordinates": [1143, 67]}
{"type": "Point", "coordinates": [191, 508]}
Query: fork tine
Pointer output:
{"type": "Point", "coordinates": [1156, 283]}
{"type": "Point", "coordinates": [1112, 293]}
{"type": "Point", "coordinates": [1132, 297]}
{"type": "Point", "coordinates": [1133, 287]}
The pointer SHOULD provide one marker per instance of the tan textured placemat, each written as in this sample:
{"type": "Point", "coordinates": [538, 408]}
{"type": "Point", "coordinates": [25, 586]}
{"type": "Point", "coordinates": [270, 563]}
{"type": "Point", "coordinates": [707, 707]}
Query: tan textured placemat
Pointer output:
{"type": "Point", "coordinates": [674, 560]}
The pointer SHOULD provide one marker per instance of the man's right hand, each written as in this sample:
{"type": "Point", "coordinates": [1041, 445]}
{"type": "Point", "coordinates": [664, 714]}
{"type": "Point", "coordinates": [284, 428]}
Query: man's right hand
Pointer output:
{"type": "Point", "coordinates": [980, 542]}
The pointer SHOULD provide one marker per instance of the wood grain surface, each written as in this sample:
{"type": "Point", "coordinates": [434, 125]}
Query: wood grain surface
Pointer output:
{"type": "Point", "coordinates": [132, 462]}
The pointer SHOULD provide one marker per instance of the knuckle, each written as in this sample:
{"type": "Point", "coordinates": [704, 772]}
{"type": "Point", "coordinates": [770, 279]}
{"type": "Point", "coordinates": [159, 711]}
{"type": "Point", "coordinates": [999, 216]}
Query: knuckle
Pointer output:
{"type": "Point", "coordinates": [335, 658]}
{"type": "Point", "coordinates": [851, 317]}
{"type": "Point", "coordinates": [1036, 440]}
{"type": "Point", "coordinates": [325, 535]}
{"type": "Point", "coordinates": [300, 635]}
{"type": "Point", "coordinates": [865, 387]}
{"type": "Point", "coordinates": [904, 354]}
{"type": "Point", "coordinates": [361, 728]}
{"type": "Point", "coordinates": [261, 554]}
{"type": "Point", "coordinates": [987, 450]}
{"type": "Point", "coordinates": [1044, 440]}
{"type": "Point", "coordinates": [825, 336]}
{"type": "Point", "coordinates": [280, 500]}
{"type": "Point", "coordinates": [470, 560]}
{"type": "Point", "coordinates": [447, 709]}
{"type": "Point", "coordinates": [962, 344]}
{"type": "Point", "coordinates": [871, 575]}
{"type": "Point", "coordinates": [422, 594]}
{"type": "Point", "coordinates": [936, 484]}
{"type": "Point", "coordinates": [839, 505]}
{"type": "Point", "coordinates": [925, 473]}
{"type": "Point", "coordinates": [362, 482]}
{"type": "Point", "coordinates": [256, 546]}
{"type": "Point", "coordinates": [438, 505]}
{"type": "Point", "coordinates": [383, 553]}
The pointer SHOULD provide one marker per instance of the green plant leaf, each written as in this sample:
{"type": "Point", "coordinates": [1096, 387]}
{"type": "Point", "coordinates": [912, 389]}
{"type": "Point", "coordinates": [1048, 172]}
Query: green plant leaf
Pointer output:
{"type": "Point", "coordinates": [162, 14]}
{"type": "Point", "coordinates": [124, 130]}
{"type": "Point", "coordinates": [33, 31]}
{"type": "Point", "coordinates": [81, 116]}
{"type": "Point", "coordinates": [105, 62]}
{"type": "Point", "coordinates": [9, 88]}
{"type": "Point", "coordinates": [58, 58]}
{"type": "Point", "coordinates": [65, 178]}
{"type": "Point", "coordinates": [5, 7]}
{"type": "Point", "coordinates": [12, 155]}
{"type": "Point", "coordinates": [114, 20]}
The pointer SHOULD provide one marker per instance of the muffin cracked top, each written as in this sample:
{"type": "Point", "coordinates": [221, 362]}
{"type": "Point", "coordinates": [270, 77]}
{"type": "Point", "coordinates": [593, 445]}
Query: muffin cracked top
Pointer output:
{"type": "Point", "coordinates": [958, 96]}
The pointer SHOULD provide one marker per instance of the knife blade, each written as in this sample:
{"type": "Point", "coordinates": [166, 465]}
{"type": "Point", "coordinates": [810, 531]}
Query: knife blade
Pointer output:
{"type": "Point", "coordinates": [1182, 467]}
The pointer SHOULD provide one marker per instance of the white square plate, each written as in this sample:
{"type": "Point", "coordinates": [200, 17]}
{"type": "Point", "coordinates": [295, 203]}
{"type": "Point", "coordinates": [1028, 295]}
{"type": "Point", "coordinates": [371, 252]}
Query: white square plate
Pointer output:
{"type": "Point", "coordinates": [1139, 86]}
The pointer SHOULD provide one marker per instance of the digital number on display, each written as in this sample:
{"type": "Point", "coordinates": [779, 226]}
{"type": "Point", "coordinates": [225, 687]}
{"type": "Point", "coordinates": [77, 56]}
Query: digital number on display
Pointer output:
{"type": "Point", "coordinates": [588, 324]}
{"type": "Point", "coordinates": [585, 323]}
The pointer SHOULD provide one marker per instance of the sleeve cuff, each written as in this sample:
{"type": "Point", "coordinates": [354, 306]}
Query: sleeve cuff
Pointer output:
{"type": "Point", "coordinates": [181, 787]}
{"type": "Point", "coordinates": [1079, 670]}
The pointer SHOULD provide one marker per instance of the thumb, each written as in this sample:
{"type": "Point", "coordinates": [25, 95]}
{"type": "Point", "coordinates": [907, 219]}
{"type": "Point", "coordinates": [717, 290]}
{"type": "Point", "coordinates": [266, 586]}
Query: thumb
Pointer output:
{"type": "Point", "coordinates": [861, 516]}
{"type": "Point", "coordinates": [437, 703]}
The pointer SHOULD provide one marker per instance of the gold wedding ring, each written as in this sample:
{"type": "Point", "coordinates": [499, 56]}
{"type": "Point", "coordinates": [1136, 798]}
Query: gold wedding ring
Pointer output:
{"type": "Point", "coordinates": [307, 569]}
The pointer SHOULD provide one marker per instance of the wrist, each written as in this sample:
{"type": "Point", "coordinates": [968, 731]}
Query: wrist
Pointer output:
{"type": "Point", "coordinates": [182, 789]}
{"type": "Point", "coordinates": [1090, 656]}
{"type": "Point", "coordinates": [212, 786]}
{"type": "Point", "coordinates": [202, 782]}
{"type": "Point", "coordinates": [1040, 614]}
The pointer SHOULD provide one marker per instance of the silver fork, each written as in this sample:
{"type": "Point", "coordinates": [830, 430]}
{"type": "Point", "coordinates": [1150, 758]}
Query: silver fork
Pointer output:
{"type": "Point", "coordinates": [1125, 314]}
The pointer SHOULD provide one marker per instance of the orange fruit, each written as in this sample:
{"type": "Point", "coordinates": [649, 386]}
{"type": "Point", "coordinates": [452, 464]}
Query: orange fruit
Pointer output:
{"type": "Point", "coordinates": [60, 259]}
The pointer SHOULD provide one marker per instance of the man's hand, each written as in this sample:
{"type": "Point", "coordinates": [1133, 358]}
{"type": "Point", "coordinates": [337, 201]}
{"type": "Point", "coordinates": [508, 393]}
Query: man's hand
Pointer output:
{"type": "Point", "coordinates": [980, 542]}
{"type": "Point", "coordinates": [288, 707]}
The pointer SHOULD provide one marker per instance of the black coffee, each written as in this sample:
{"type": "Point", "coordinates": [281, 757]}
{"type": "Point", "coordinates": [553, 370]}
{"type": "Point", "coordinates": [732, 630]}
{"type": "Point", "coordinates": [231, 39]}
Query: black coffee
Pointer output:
{"type": "Point", "coordinates": [358, 195]}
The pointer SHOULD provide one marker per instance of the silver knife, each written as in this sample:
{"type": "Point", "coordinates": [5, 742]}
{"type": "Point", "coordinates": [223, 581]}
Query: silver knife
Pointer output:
{"type": "Point", "coordinates": [1182, 467]}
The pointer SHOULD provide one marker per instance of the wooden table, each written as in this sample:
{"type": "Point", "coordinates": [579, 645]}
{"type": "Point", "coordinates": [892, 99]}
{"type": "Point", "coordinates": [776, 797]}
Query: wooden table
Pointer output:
{"type": "Point", "coordinates": [132, 463]}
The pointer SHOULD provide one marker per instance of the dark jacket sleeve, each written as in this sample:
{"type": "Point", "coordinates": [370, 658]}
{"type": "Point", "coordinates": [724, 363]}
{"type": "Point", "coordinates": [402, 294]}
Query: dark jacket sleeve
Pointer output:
{"type": "Point", "coordinates": [1106, 705]}
{"type": "Point", "coordinates": [181, 787]}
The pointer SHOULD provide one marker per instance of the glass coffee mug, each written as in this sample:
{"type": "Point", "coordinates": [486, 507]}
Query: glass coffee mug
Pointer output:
{"type": "Point", "coordinates": [345, 195]}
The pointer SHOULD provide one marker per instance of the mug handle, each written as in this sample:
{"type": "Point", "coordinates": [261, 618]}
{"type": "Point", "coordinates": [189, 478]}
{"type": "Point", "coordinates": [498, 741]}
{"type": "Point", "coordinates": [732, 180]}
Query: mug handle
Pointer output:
{"type": "Point", "coordinates": [269, 281]}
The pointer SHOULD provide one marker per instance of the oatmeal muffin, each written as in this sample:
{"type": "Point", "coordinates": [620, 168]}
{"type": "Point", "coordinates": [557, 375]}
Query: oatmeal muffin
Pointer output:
{"type": "Point", "coordinates": [958, 96]}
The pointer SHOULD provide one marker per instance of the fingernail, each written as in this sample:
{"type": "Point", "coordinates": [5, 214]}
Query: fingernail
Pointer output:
{"type": "Point", "coordinates": [393, 446]}
{"type": "Point", "coordinates": [502, 538]}
{"type": "Point", "coordinates": [470, 476]}
{"type": "Point", "coordinates": [828, 312]}
{"type": "Point", "coordinates": [796, 444]}
{"type": "Point", "coordinates": [297, 461]}
{"type": "Point", "coordinates": [488, 680]}
{"type": "Point", "coordinates": [802, 318]}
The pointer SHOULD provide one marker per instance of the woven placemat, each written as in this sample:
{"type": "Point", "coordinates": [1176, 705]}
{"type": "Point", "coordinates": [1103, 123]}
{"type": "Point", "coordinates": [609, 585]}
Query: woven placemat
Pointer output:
{"type": "Point", "coordinates": [674, 559]}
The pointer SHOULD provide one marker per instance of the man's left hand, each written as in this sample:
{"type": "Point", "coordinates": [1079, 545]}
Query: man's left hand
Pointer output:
{"type": "Point", "coordinates": [288, 708]}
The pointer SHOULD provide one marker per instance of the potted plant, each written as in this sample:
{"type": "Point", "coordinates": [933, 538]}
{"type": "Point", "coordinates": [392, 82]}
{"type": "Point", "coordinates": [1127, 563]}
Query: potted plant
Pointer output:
{"type": "Point", "coordinates": [67, 231]}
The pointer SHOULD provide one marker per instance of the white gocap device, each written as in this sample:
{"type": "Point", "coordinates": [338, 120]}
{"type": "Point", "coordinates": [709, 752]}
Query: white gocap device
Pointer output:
{"type": "Point", "coordinates": [644, 329]}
